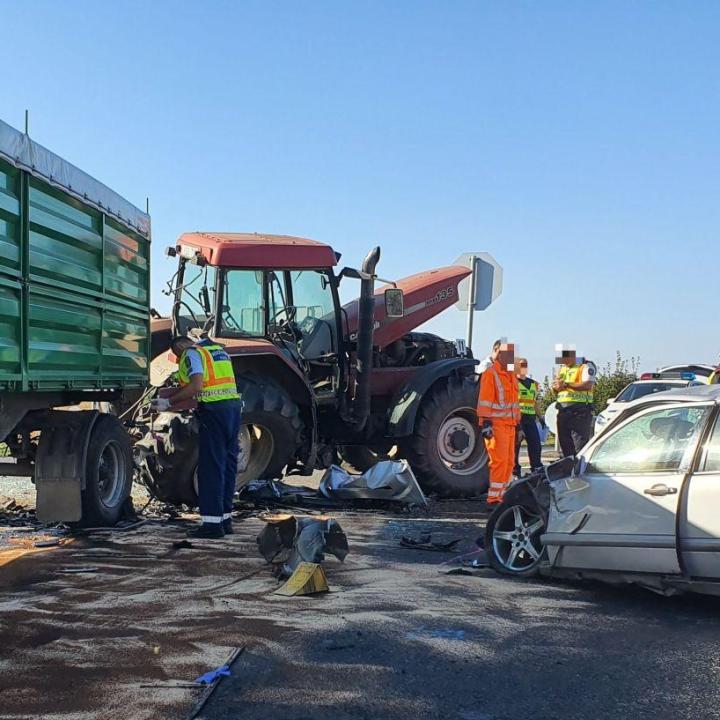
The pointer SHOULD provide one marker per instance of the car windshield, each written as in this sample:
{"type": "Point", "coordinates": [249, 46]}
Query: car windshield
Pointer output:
{"type": "Point", "coordinates": [638, 390]}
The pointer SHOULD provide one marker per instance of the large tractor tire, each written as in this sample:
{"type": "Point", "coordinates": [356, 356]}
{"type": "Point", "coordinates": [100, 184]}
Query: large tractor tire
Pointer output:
{"type": "Point", "coordinates": [447, 452]}
{"type": "Point", "coordinates": [269, 436]}
{"type": "Point", "coordinates": [108, 472]}
{"type": "Point", "coordinates": [271, 429]}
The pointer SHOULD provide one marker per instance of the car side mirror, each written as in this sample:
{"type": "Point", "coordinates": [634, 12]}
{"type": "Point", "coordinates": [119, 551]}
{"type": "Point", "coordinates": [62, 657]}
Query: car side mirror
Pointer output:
{"type": "Point", "coordinates": [394, 303]}
{"type": "Point", "coordinates": [610, 401]}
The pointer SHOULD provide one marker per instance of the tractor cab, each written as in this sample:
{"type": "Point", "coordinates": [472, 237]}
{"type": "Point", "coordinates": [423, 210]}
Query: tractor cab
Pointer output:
{"type": "Point", "coordinates": [250, 290]}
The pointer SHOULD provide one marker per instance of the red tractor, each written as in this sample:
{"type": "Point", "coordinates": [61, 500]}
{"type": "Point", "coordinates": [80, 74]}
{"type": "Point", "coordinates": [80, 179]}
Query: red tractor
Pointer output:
{"type": "Point", "coordinates": [319, 381]}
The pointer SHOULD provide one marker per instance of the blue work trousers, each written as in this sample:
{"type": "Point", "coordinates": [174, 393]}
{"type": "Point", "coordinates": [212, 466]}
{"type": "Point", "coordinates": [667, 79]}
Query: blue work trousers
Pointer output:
{"type": "Point", "coordinates": [217, 463]}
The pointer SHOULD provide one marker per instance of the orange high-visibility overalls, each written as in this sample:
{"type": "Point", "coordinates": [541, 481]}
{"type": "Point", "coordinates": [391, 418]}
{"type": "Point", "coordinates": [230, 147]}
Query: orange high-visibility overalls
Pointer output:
{"type": "Point", "coordinates": [498, 403]}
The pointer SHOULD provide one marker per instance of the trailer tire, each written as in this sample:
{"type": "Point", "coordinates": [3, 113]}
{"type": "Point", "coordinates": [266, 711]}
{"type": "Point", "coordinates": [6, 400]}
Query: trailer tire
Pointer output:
{"type": "Point", "coordinates": [108, 472]}
{"type": "Point", "coordinates": [446, 451]}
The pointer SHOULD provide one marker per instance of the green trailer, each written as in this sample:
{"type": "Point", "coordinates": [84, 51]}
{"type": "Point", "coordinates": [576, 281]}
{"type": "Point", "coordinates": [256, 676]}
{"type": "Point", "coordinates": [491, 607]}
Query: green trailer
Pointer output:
{"type": "Point", "coordinates": [74, 330]}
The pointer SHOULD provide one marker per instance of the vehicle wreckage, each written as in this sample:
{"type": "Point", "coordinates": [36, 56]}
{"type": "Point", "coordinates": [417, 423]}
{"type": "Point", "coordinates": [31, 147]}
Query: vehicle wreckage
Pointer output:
{"type": "Point", "coordinates": [320, 382]}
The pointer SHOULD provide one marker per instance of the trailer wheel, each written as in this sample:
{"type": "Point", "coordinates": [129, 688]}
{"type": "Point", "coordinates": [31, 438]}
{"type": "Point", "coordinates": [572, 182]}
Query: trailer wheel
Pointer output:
{"type": "Point", "coordinates": [108, 472]}
{"type": "Point", "coordinates": [446, 451]}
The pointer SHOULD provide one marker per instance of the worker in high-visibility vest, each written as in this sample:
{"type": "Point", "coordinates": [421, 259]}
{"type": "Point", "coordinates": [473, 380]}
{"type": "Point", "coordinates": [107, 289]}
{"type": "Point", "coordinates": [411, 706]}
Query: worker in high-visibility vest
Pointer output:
{"type": "Point", "coordinates": [205, 373]}
{"type": "Point", "coordinates": [530, 415]}
{"type": "Point", "coordinates": [574, 385]}
{"type": "Point", "coordinates": [498, 414]}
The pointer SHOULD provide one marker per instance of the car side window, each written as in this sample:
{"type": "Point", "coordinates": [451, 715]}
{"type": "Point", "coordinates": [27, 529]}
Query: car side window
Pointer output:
{"type": "Point", "coordinates": [711, 461]}
{"type": "Point", "coordinates": [655, 441]}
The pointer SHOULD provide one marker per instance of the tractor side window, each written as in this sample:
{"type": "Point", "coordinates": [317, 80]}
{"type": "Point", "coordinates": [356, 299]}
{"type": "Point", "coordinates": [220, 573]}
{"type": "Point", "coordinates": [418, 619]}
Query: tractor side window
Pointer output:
{"type": "Point", "coordinates": [242, 312]}
{"type": "Point", "coordinates": [312, 295]}
{"type": "Point", "coordinates": [314, 307]}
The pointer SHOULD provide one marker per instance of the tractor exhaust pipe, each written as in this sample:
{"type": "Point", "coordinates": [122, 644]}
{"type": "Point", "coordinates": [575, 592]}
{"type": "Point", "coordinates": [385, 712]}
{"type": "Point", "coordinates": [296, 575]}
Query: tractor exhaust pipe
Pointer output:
{"type": "Point", "coordinates": [366, 329]}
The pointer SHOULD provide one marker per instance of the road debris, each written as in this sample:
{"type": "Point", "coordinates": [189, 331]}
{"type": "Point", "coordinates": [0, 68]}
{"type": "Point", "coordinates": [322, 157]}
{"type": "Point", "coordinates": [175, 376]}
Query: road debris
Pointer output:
{"type": "Point", "coordinates": [218, 675]}
{"type": "Point", "coordinates": [425, 542]}
{"type": "Point", "coordinates": [388, 480]}
{"type": "Point", "coordinates": [308, 579]}
{"type": "Point", "coordinates": [287, 541]}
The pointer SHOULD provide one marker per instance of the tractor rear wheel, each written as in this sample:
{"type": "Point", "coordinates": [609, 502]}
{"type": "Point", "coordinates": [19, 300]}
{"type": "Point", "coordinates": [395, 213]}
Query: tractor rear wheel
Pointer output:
{"type": "Point", "coordinates": [269, 436]}
{"type": "Point", "coordinates": [271, 429]}
{"type": "Point", "coordinates": [446, 451]}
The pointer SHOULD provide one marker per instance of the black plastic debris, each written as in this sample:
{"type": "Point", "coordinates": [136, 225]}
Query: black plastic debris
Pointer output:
{"type": "Point", "coordinates": [425, 542]}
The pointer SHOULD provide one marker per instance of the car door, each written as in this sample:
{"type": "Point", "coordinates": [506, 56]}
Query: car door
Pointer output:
{"type": "Point", "coordinates": [699, 526]}
{"type": "Point", "coordinates": [619, 511]}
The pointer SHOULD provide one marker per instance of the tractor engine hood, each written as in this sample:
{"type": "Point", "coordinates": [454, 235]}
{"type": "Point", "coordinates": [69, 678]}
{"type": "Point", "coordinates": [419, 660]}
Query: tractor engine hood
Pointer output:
{"type": "Point", "coordinates": [427, 294]}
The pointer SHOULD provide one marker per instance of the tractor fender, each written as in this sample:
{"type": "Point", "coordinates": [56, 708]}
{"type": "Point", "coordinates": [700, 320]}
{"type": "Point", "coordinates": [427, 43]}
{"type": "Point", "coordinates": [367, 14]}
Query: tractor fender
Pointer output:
{"type": "Point", "coordinates": [405, 404]}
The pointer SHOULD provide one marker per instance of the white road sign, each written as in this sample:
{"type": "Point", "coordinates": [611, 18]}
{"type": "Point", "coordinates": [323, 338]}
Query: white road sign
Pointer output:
{"type": "Point", "coordinates": [488, 281]}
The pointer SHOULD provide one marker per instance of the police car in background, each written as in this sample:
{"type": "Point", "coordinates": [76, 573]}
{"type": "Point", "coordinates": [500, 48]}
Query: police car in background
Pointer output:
{"type": "Point", "coordinates": [648, 384]}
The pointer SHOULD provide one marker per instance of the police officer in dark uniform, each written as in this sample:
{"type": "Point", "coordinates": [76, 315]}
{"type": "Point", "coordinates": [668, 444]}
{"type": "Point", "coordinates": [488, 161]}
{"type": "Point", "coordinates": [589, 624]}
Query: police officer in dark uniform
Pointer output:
{"type": "Point", "coordinates": [574, 385]}
{"type": "Point", "coordinates": [528, 395]}
{"type": "Point", "coordinates": [205, 373]}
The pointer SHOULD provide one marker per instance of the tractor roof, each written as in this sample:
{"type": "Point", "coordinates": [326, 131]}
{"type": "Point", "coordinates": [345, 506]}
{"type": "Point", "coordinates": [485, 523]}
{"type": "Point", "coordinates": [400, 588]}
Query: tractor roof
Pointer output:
{"type": "Point", "coordinates": [256, 250]}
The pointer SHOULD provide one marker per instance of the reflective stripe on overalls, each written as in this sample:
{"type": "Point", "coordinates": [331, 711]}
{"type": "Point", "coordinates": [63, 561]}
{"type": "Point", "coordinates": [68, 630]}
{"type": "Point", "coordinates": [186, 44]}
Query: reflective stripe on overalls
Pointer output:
{"type": "Point", "coordinates": [501, 409]}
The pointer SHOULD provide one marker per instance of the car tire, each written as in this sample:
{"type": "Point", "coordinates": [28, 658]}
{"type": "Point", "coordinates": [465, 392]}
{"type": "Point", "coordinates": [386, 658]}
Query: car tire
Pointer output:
{"type": "Point", "coordinates": [510, 548]}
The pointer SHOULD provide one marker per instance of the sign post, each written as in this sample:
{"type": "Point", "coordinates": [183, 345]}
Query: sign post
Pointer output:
{"type": "Point", "coordinates": [471, 302]}
{"type": "Point", "coordinates": [480, 289]}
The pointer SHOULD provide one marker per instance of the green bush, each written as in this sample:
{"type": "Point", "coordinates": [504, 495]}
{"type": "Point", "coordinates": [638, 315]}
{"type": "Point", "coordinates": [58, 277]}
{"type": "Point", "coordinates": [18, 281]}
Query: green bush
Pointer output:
{"type": "Point", "coordinates": [611, 379]}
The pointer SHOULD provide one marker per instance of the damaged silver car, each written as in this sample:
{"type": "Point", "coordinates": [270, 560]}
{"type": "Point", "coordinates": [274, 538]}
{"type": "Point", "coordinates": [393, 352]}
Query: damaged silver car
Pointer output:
{"type": "Point", "coordinates": [640, 503]}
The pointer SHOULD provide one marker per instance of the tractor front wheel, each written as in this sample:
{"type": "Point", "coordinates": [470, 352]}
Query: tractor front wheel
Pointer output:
{"type": "Point", "coordinates": [447, 452]}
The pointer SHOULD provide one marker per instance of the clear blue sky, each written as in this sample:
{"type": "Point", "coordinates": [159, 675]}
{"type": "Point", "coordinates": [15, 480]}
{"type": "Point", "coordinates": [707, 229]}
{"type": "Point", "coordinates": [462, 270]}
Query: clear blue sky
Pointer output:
{"type": "Point", "coordinates": [579, 143]}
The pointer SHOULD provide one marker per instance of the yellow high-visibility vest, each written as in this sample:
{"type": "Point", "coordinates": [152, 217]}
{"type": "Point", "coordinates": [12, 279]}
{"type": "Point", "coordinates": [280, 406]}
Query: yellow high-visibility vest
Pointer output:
{"type": "Point", "coordinates": [527, 397]}
{"type": "Point", "coordinates": [573, 374]}
{"type": "Point", "coordinates": [218, 375]}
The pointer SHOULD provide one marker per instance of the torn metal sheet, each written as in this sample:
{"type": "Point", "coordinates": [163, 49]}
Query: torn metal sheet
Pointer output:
{"type": "Point", "coordinates": [291, 541]}
{"type": "Point", "coordinates": [390, 480]}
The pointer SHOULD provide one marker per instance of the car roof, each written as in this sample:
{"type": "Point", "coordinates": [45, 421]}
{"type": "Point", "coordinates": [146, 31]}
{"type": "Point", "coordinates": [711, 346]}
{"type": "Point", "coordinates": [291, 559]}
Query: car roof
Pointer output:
{"type": "Point", "coordinates": [690, 394]}
{"type": "Point", "coordinates": [666, 381]}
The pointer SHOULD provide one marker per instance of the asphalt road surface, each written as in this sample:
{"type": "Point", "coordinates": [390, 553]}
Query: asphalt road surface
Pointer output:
{"type": "Point", "coordinates": [395, 638]}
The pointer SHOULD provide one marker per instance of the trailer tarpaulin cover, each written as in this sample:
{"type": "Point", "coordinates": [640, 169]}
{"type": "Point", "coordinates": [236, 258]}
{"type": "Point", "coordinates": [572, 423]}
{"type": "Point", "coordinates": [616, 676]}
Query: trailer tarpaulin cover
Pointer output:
{"type": "Point", "coordinates": [22, 152]}
{"type": "Point", "coordinates": [388, 480]}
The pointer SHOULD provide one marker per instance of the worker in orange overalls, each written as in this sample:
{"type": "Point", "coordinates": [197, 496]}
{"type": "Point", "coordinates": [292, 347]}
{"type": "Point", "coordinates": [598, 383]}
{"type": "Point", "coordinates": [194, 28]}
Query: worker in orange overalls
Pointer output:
{"type": "Point", "coordinates": [498, 413]}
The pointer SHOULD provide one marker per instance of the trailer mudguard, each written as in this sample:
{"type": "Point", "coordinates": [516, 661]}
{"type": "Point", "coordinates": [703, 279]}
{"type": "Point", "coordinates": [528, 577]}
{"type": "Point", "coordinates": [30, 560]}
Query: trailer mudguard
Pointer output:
{"type": "Point", "coordinates": [60, 465]}
{"type": "Point", "coordinates": [406, 403]}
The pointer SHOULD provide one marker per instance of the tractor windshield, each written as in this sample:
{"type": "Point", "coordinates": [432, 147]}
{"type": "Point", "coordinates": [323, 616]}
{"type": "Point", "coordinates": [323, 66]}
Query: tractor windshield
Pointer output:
{"type": "Point", "coordinates": [243, 311]}
{"type": "Point", "coordinates": [195, 297]}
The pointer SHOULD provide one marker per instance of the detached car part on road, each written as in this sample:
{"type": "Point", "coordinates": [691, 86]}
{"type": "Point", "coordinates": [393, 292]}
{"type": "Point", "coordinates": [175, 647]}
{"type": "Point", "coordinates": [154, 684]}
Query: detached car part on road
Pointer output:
{"type": "Point", "coordinates": [640, 504]}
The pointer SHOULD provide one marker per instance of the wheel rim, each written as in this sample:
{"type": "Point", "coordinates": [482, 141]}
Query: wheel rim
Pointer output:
{"type": "Point", "coordinates": [516, 539]}
{"type": "Point", "coordinates": [257, 448]}
{"type": "Point", "coordinates": [111, 475]}
{"type": "Point", "coordinates": [458, 443]}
